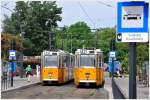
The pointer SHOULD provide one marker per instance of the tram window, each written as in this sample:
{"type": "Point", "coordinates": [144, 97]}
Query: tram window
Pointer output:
{"type": "Point", "coordinates": [67, 61]}
{"type": "Point", "coordinates": [60, 63]}
{"type": "Point", "coordinates": [77, 60]}
{"type": "Point", "coordinates": [50, 61]}
{"type": "Point", "coordinates": [97, 61]}
{"type": "Point", "coordinates": [73, 62]}
{"type": "Point", "coordinates": [64, 61]}
{"type": "Point", "coordinates": [100, 61]}
{"type": "Point", "coordinates": [87, 60]}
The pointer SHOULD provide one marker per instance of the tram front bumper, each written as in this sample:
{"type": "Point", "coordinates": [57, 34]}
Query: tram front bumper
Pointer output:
{"type": "Point", "coordinates": [87, 81]}
{"type": "Point", "coordinates": [50, 79]}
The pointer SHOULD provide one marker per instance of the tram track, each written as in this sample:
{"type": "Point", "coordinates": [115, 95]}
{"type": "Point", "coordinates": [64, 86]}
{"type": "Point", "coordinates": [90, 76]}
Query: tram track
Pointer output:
{"type": "Point", "coordinates": [64, 91]}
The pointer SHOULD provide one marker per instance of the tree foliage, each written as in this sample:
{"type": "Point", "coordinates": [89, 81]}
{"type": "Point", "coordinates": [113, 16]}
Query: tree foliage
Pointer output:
{"type": "Point", "coordinates": [76, 36]}
{"type": "Point", "coordinates": [36, 19]}
{"type": "Point", "coordinates": [6, 40]}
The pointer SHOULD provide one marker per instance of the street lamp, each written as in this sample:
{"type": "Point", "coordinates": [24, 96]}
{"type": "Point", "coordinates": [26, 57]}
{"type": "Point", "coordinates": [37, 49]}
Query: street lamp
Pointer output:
{"type": "Point", "coordinates": [71, 42]}
{"type": "Point", "coordinates": [21, 69]}
{"type": "Point", "coordinates": [49, 21]}
{"type": "Point", "coordinates": [22, 24]}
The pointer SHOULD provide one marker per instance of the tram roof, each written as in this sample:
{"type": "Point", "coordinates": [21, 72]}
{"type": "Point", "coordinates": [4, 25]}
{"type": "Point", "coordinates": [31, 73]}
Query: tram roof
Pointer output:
{"type": "Point", "coordinates": [55, 52]}
{"type": "Point", "coordinates": [88, 51]}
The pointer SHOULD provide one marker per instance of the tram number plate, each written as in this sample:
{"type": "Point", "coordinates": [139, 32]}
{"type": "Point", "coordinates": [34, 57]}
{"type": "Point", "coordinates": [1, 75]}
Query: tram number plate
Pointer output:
{"type": "Point", "coordinates": [87, 75]}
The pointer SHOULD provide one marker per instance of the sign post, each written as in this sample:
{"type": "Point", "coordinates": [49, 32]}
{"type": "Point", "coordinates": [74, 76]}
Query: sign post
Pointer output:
{"type": "Point", "coordinates": [12, 58]}
{"type": "Point", "coordinates": [132, 26]}
{"type": "Point", "coordinates": [132, 72]}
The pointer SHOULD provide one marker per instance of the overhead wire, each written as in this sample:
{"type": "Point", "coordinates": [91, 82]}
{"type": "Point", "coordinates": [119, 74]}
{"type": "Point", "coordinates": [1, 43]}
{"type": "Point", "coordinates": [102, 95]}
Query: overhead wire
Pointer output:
{"type": "Point", "coordinates": [6, 8]}
{"type": "Point", "coordinates": [86, 14]}
{"type": "Point", "coordinates": [103, 3]}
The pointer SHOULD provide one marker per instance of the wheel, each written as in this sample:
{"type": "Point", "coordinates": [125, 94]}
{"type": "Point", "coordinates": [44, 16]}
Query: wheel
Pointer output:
{"type": "Point", "coordinates": [44, 83]}
{"type": "Point", "coordinates": [77, 86]}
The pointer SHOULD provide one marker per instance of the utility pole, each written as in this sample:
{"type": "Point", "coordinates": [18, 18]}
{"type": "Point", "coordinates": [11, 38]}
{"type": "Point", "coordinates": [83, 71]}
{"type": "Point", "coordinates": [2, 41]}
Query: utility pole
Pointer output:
{"type": "Point", "coordinates": [12, 59]}
{"type": "Point", "coordinates": [96, 38]}
{"type": "Point", "coordinates": [49, 40]}
{"type": "Point", "coordinates": [50, 34]}
{"type": "Point", "coordinates": [62, 37]}
{"type": "Point", "coordinates": [71, 42]}
{"type": "Point", "coordinates": [22, 68]}
{"type": "Point", "coordinates": [132, 71]}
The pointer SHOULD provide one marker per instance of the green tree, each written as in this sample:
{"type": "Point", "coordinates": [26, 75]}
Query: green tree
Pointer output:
{"type": "Point", "coordinates": [36, 19]}
{"type": "Point", "coordinates": [142, 54]}
{"type": "Point", "coordinates": [75, 36]}
{"type": "Point", "coordinates": [79, 33]}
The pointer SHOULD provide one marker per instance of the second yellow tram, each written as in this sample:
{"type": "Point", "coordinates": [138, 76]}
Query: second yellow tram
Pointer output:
{"type": "Point", "coordinates": [88, 67]}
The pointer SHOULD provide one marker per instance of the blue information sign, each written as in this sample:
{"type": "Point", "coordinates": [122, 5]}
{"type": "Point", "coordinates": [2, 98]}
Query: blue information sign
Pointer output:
{"type": "Point", "coordinates": [132, 21]}
{"type": "Point", "coordinates": [132, 17]}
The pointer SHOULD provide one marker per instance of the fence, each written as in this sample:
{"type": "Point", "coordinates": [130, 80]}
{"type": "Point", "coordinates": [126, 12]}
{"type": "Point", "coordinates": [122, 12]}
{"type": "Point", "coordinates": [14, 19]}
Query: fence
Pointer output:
{"type": "Point", "coordinates": [5, 75]}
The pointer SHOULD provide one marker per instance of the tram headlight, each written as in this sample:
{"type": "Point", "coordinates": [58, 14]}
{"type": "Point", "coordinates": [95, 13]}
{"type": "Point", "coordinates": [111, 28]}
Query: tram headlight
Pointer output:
{"type": "Point", "coordinates": [50, 74]}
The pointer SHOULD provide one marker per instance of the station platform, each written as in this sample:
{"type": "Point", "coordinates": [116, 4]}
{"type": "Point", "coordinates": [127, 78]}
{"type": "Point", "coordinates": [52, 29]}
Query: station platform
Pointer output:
{"type": "Point", "coordinates": [19, 83]}
{"type": "Point", "coordinates": [123, 84]}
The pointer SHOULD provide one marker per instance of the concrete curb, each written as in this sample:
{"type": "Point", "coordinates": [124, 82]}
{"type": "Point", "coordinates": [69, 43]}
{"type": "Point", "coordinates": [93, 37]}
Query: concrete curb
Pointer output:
{"type": "Point", "coordinates": [123, 93]}
{"type": "Point", "coordinates": [21, 87]}
{"type": "Point", "coordinates": [120, 93]}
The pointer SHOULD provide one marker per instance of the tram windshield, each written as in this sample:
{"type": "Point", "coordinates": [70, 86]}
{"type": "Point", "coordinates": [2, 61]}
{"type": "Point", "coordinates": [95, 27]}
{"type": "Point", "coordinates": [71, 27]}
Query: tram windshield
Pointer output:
{"type": "Point", "coordinates": [87, 60]}
{"type": "Point", "coordinates": [50, 61]}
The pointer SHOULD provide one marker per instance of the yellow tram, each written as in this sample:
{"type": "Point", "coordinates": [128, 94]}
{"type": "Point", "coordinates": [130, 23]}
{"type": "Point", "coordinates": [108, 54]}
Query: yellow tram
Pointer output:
{"type": "Point", "coordinates": [88, 67]}
{"type": "Point", "coordinates": [57, 66]}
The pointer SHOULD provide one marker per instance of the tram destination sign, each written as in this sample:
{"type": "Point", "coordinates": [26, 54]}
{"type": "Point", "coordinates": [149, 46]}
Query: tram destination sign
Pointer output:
{"type": "Point", "coordinates": [132, 21]}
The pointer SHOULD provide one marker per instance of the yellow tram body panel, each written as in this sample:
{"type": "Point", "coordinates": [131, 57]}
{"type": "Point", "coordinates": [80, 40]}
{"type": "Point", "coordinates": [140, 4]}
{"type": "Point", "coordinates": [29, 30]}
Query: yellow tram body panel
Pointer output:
{"type": "Point", "coordinates": [88, 75]}
{"type": "Point", "coordinates": [50, 74]}
{"type": "Point", "coordinates": [54, 74]}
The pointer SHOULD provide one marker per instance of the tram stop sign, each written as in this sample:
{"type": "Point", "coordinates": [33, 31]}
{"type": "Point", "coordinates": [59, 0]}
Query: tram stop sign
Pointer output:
{"type": "Point", "coordinates": [132, 21]}
{"type": "Point", "coordinates": [12, 54]}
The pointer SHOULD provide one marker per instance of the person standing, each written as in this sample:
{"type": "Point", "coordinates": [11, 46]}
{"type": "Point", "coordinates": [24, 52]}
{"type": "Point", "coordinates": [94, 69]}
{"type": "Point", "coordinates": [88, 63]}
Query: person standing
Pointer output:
{"type": "Point", "coordinates": [28, 72]}
{"type": "Point", "coordinates": [37, 70]}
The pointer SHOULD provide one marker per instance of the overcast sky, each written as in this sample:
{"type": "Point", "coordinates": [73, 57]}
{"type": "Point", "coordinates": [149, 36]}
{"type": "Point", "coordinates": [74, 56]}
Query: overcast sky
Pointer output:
{"type": "Point", "coordinates": [99, 15]}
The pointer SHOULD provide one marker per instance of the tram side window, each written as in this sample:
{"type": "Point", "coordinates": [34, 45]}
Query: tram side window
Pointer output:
{"type": "Point", "coordinates": [73, 61]}
{"type": "Point", "coordinates": [64, 61]}
{"type": "Point", "coordinates": [60, 61]}
{"type": "Point", "coordinates": [97, 61]}
{"type": "Point", "coordinates": [77, 61]}
{"type": "Point", "coordinates": [67, 61]}
{"type": "Point", "coordinates": [100, 61]}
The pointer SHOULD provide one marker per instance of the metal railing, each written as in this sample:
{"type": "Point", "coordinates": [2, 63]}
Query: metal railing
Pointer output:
{"type": "Point", "coordinates": [5, 76]}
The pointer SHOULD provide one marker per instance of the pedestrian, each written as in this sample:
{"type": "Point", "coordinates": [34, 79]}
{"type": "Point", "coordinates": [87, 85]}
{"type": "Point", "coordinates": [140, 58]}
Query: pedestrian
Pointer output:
{"type": "Point", "coordinates": [123, 71]}
{"type": "Point", "coordinates": [37, 70]}
{"type": "Point", "coordinates": [28, 72]}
